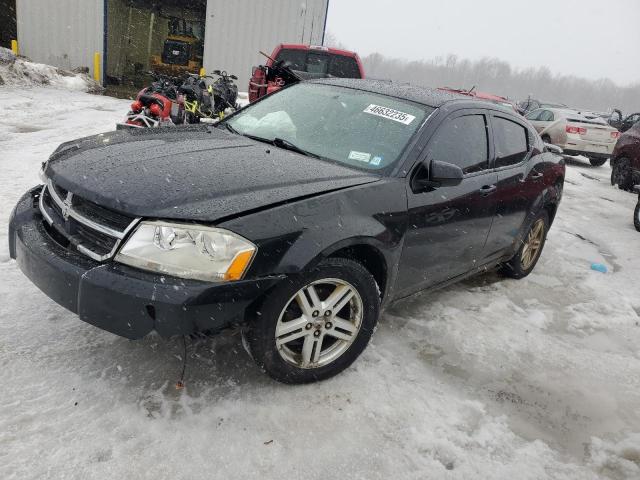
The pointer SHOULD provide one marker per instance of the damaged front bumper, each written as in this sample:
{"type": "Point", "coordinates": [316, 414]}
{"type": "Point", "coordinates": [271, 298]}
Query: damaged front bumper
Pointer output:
{"type": "Point", "coordinates": [120, 299]}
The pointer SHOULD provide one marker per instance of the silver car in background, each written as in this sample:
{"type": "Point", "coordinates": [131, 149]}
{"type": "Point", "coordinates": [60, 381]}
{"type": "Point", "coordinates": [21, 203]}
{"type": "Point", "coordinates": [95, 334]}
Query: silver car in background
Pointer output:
{"type": "Point", "coordinates": [575, 133]}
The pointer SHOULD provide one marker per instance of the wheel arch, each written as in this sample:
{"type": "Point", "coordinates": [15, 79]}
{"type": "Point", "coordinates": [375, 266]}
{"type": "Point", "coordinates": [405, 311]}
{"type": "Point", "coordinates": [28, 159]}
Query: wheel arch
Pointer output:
{"type": "Point", "coordinates": [552, 198]}
{"type": "Point", "coordinates": [368, 252]}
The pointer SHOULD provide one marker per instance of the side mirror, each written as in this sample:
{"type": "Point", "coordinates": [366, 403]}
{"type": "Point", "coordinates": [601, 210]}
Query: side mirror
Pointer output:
{"type": "Point", "coordinates": [549, 147]}
{"type": "Point", "coordinates": [233, 77]}
{"type": "Point", "coordinates": [436, 174]}
{"type": "Point", "coordinates": [445, 174]}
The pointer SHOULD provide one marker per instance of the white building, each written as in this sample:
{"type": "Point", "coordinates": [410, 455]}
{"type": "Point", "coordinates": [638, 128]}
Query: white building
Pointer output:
{"type": "Point", "coordinates": [126, 33]}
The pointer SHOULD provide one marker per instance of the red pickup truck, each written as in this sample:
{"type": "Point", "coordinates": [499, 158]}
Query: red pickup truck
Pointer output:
{"type": "Point", "coordinates": [291, 62]}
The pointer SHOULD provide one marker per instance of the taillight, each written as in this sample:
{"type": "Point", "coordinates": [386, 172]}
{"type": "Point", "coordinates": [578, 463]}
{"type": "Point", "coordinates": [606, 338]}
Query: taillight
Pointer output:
{"type": "Point", "coordinates": [578, 130]}
{"type": "Point", "coordinates": [615, 134]}
{"type": "Point", "coordinates": [136, 106]}
{"type": "Point", "coordinates": [155, 109]}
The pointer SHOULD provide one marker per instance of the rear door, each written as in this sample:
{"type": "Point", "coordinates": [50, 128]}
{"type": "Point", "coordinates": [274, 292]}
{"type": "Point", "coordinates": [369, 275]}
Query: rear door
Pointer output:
{"type": "Point", "coordinates": [448, 226]}
{"type": "Point", "coordinates": [518, 183]}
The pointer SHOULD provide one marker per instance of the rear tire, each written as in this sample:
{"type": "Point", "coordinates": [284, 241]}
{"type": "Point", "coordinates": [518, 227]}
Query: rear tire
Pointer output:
{"type": "Point", "coordinates": [316, 323]}
{"type": "Point", "coordinates": [527, 256]}
{"type": "Point", "coordinates": [621, 175]}
{"type": "Point", "coordinates": [597, 162]}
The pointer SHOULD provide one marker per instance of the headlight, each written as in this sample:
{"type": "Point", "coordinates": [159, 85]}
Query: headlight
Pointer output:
{"type": "Point", "coordinates": [187, 251]}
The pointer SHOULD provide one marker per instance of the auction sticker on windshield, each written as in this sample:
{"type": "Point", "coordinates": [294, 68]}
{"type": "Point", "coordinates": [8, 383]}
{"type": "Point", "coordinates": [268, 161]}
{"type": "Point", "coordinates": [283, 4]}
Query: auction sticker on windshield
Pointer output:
{"type": "Point", "coordinates": [389, 113]}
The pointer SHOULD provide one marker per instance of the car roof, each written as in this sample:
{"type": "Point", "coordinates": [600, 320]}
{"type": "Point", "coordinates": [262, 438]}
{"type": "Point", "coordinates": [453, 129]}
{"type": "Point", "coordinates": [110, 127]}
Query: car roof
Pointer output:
{"type": "Point", "coordinates": [431, 97]}
{"type": "Point", "coordinates": [476, 94]}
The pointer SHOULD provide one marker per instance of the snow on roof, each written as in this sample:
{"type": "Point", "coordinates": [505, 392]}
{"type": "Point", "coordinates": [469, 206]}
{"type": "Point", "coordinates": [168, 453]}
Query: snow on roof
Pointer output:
{"type": "Point", "coordinates": [427, 96]}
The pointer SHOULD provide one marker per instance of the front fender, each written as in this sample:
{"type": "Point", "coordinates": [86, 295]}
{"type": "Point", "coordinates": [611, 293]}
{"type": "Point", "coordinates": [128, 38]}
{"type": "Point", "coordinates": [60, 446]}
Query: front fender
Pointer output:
{"type": "Point", "coordinates": [293, 237]}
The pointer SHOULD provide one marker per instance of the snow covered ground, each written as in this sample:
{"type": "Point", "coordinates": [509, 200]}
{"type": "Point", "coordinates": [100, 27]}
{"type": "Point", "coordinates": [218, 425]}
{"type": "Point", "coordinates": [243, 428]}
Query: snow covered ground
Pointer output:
{"type": "Point", "coordinates": [491, 378]}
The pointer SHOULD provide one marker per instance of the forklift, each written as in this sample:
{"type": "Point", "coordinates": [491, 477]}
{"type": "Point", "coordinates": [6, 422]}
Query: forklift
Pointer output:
{"type": "Point", "coordinates": [181, 53]}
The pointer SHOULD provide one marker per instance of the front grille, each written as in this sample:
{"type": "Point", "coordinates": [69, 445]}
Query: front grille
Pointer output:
{"type": "Point", "coordinates": [91, 229]}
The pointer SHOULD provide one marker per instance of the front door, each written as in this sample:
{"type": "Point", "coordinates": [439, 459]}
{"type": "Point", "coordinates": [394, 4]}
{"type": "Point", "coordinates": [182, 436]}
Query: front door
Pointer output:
{"type": "Point", "coordinates": [448, 226]}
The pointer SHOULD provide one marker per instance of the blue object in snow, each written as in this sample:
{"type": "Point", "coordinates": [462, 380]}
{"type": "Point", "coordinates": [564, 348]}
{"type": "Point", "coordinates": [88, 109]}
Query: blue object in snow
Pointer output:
{"type": "Point", "coordinates": [599, 267]}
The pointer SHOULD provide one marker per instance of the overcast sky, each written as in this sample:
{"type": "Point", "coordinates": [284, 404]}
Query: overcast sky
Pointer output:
{"type": "Point", "coordinates": [588, 38]}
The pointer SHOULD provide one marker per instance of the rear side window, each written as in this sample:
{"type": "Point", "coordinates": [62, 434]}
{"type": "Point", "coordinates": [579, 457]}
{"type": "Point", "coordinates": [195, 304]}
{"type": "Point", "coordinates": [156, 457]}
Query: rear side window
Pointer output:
{"type": "Point", "coordinates": [463, 142]}
{"type": "Point", "coordinates": [344, 67]}
{"type": "Point", "coordinates": [535, 115]}
{"type": "Point", "coordinates": [546, 116]}
{"type": "Point", "coordinates": [511, 142]}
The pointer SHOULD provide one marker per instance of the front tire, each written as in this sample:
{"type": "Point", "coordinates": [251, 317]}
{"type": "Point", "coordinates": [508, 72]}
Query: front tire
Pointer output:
{"type": "Point", "coordinates": [316, 324]}
{"type": "Point", "coordinates": [527, 256]}
{"type": "Point", "coordinates": [636, 216]}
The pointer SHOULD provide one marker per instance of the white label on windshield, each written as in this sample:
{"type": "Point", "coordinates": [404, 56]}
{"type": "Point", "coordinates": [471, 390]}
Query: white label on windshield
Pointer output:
{"type": "Point", "coordinates": [360, 156]}
{"type": "Point", "coordinates": [390, 113]}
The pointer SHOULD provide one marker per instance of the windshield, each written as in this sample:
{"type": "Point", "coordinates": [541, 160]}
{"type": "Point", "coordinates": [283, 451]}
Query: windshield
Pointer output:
{"type": "Point", "coordinates": [361, 129]}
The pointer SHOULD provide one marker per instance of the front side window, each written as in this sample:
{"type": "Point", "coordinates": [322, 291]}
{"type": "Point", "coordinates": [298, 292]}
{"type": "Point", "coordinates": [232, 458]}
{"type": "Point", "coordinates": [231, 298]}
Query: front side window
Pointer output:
{"type": "Point", "coordinates": [510, 142]}
{"type": "Point", "coordinates": [362, 129]}
{"type": "Point", "coordinates": [463, 142]}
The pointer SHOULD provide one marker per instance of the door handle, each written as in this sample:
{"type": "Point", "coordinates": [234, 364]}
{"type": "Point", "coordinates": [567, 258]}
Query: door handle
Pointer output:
{"type": "Point", "coordinates": [488, 189]}
{"type": "Point", "coordinates": [537, 176]}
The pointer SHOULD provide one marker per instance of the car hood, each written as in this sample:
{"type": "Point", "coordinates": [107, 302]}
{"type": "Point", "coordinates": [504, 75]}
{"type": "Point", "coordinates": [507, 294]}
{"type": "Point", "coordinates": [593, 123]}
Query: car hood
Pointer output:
{"type": "Point", "coordinates": [191, 173]}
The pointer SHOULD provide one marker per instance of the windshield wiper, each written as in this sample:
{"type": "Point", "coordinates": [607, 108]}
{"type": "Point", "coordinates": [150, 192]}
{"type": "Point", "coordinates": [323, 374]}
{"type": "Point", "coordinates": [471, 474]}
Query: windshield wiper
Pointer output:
{"type": "Point", "coordinates": [231, 129]}
{"type": "Point", "coordinates": [287, 145]}
{"type": "Point", "coordinates": [276, 142]}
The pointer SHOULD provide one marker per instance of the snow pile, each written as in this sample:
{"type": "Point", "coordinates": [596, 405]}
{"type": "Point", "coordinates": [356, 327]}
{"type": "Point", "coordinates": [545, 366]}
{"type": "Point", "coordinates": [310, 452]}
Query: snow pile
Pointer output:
{"type": "Point", "coordinates": [20, 72]}
{"type": "Point", "coordinates": [619, 460]}
{"type": "Point", "coordinates": [491, 378]}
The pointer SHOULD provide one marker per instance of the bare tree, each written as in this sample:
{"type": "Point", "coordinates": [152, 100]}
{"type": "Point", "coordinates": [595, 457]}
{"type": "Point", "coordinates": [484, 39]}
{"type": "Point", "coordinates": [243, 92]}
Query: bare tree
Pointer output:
{"type": "Point", "coordinates": [499, 77]}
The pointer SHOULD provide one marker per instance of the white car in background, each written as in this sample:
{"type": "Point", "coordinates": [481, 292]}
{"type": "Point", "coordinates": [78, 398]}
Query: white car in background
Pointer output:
{"type": "Point", "coordinates": [575, 133]}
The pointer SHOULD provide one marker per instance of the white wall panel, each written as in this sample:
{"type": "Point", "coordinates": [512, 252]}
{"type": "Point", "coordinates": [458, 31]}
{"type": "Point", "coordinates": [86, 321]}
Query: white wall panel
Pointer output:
{"type": "Point", "coordinates": [235, 31]}
{"type": "Point", "coordinates": [64, 33]}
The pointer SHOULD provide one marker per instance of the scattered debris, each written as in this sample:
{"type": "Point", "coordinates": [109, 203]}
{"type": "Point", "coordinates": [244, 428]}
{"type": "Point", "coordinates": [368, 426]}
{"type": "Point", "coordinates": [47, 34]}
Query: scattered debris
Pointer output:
{"type": "Point", "coordinates": [599, 267]}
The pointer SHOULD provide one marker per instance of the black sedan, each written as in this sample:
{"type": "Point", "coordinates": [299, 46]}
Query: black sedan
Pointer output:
{"type": "Point", "coordinates": [299, 217]}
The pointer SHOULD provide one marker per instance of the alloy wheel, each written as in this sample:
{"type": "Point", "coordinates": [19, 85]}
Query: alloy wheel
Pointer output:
{"type": "Point", "coordinates": [532, 244]}
{"type": "Point", "coordinates": [319, 323]}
